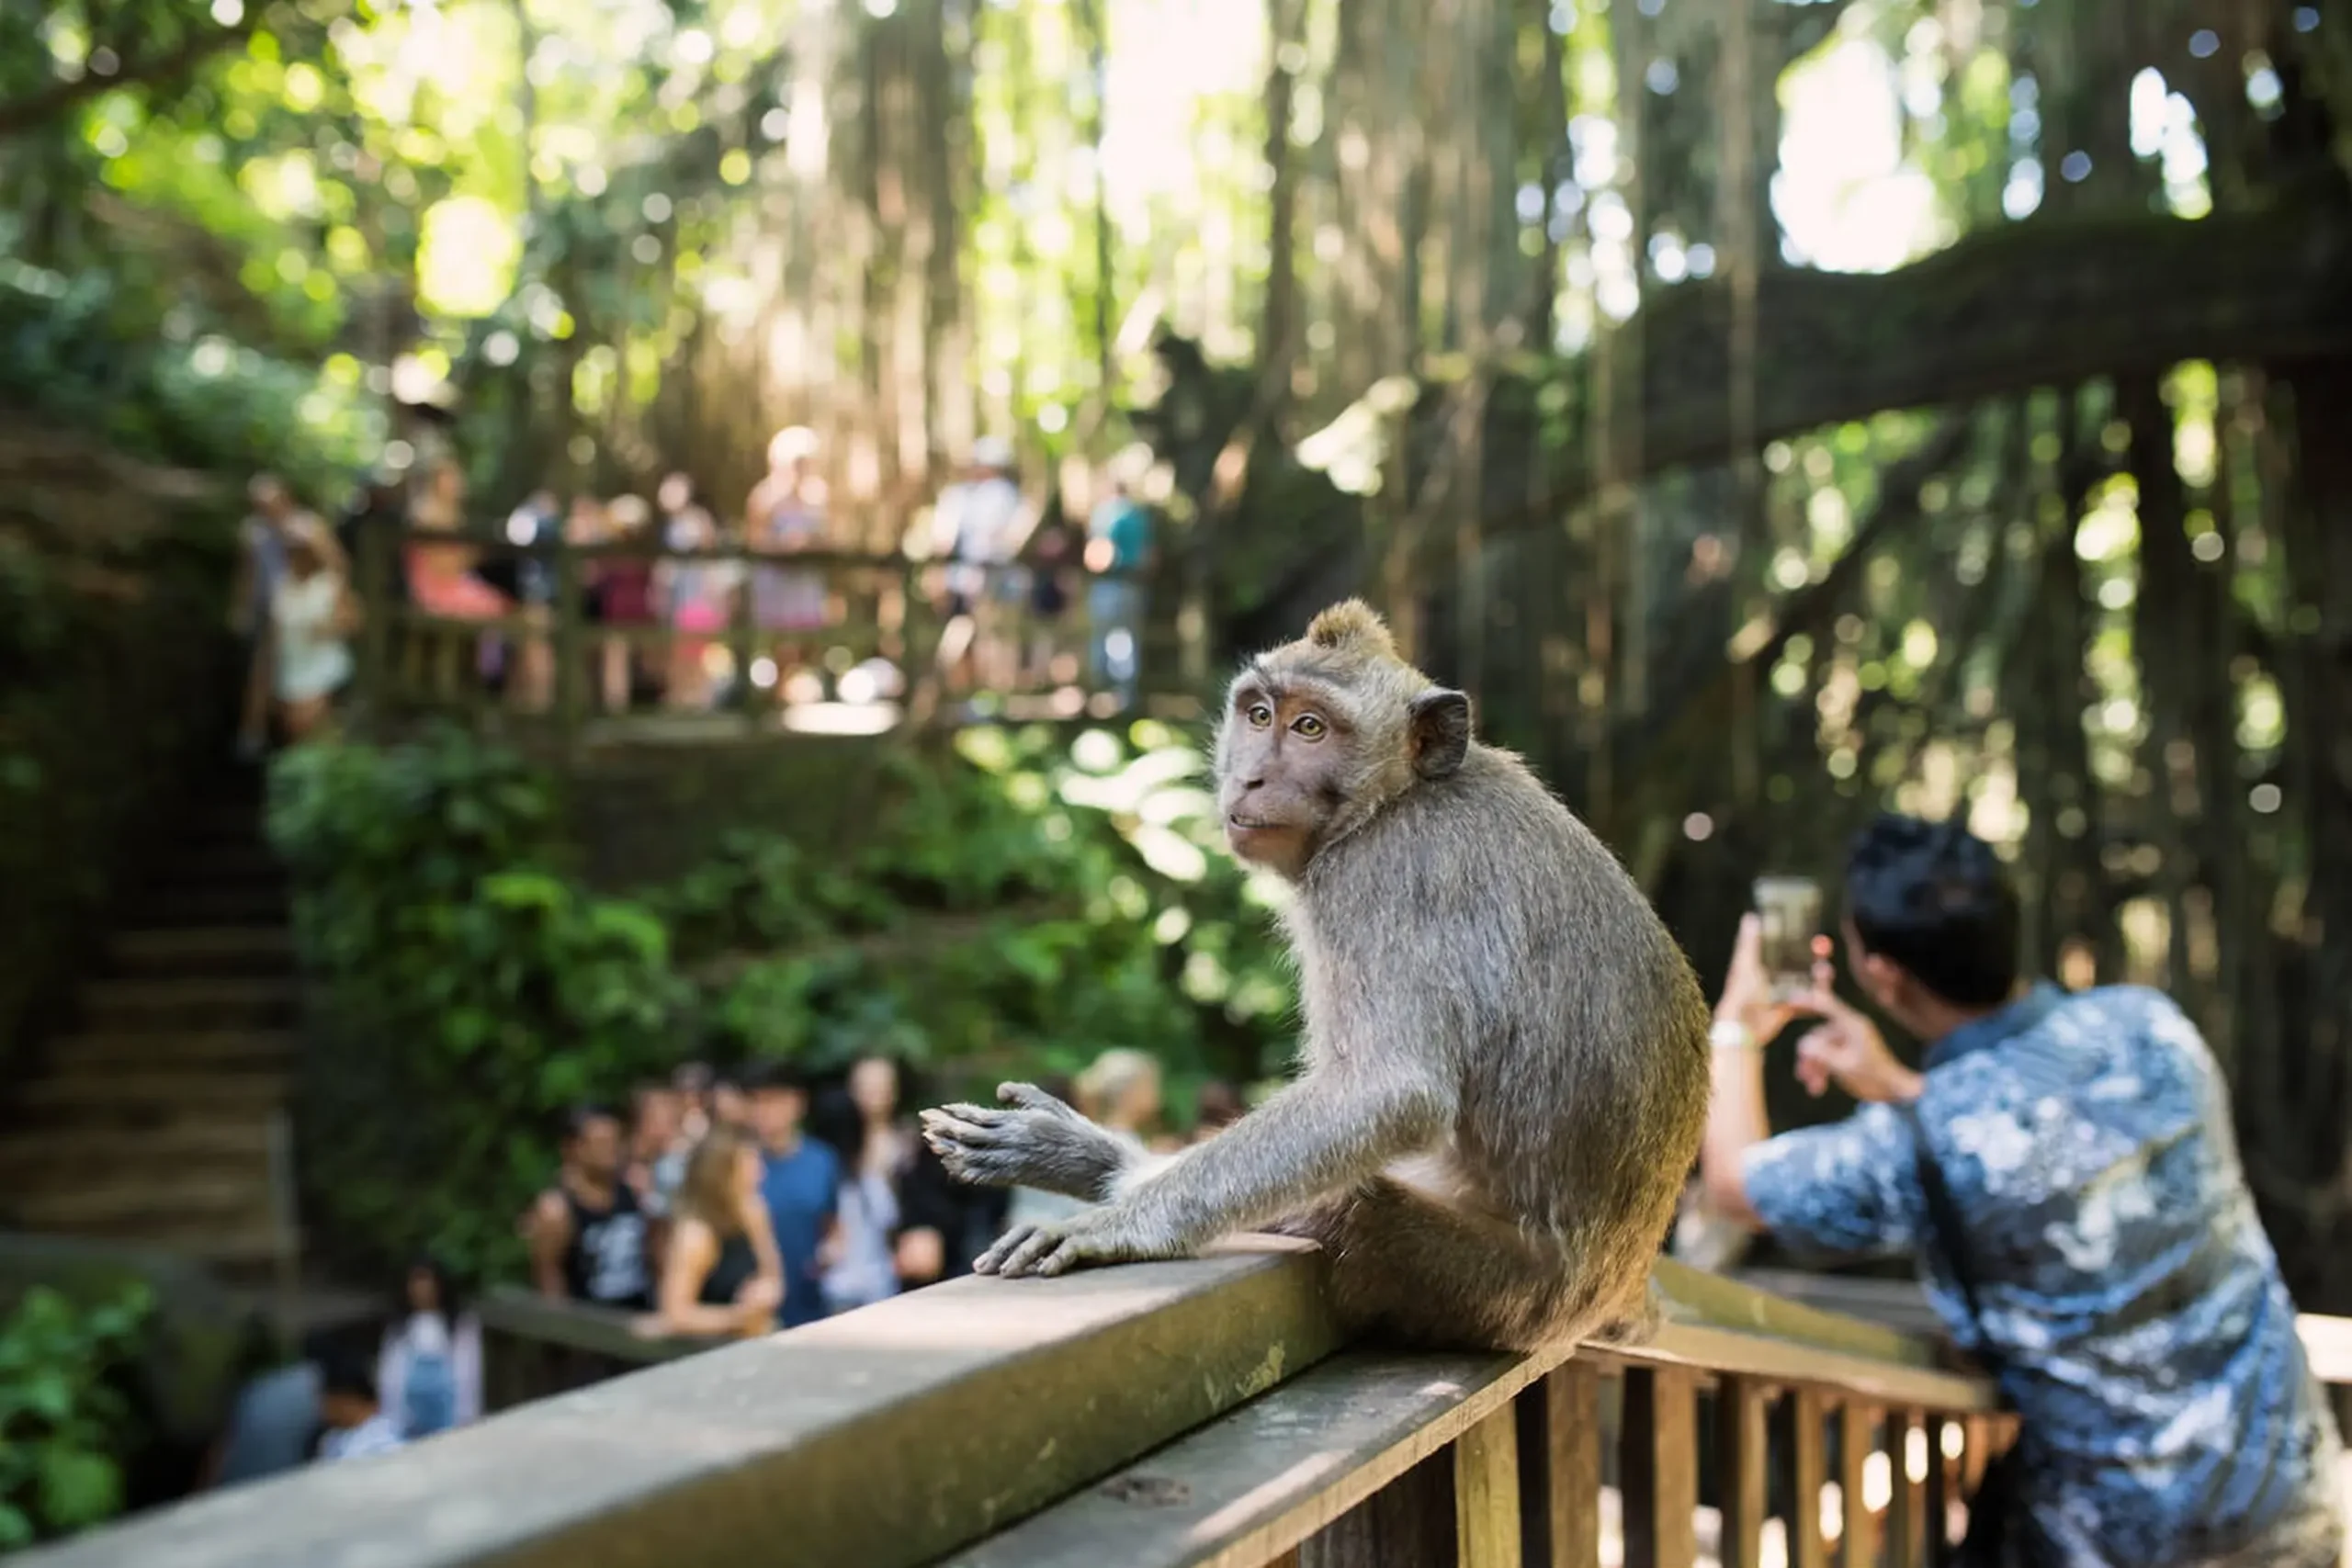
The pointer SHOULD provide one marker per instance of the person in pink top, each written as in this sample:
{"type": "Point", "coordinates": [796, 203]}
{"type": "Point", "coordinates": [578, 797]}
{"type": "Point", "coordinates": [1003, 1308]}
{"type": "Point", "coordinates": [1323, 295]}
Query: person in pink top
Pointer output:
{"type": "Point", "coordinates": [622, 588]}
{"type": "Point", "coordinates": [441, 579]}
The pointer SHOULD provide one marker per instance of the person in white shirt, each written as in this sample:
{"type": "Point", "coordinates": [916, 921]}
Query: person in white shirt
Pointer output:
{"type": "Point", "coordinates": [355, 1423]}
{"type": "Point", "coordinates": [980, 525]}
{"type": "Point", "coordinates": [428, 1373]}
{"type": "Point", "coordinates": [311, 616]}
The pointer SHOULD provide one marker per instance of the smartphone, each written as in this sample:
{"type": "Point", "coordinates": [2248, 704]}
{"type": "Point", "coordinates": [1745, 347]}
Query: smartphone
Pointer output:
{"type": "Point", "coordinates": [1789, 909]}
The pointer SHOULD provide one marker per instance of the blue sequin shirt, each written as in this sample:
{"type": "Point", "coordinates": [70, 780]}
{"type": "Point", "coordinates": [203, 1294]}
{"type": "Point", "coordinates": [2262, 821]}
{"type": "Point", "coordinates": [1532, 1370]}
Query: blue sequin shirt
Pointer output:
{"type": "Point", "coordinates": [2132, 1308]}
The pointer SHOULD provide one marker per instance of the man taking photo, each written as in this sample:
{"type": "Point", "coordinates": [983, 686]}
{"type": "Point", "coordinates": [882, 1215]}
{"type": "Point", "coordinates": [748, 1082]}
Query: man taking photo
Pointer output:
{"type": "Point", "coordinates": [2065, 1172]}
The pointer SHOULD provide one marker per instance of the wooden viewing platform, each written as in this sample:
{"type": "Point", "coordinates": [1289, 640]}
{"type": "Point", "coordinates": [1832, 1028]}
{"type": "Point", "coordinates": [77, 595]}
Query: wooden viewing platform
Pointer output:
{"type": "Point", "coordinates": [411, 662]}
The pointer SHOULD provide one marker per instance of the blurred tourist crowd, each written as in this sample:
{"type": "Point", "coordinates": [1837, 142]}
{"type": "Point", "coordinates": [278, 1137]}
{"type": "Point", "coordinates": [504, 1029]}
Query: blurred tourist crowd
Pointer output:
{"type": "Point", "coordinates": [719, 1205]}
{"type": "Point", "coordinates": [669, 594]}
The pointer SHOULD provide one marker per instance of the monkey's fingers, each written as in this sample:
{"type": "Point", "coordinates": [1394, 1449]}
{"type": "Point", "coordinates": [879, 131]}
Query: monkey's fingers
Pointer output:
{"type": "Point", "coordinates": [1071, 1252]}
{"type": "Point", "coordinates": [974, 1115]}
{"type": "Point", "coordinates": [1029, 1097]}
{"type": "Point", "coordinates": [1023, 1258]}
{"type": "Point", "coordinates": [993, 1260]}
{"type": "Point", "coordinates": [978, 1140]}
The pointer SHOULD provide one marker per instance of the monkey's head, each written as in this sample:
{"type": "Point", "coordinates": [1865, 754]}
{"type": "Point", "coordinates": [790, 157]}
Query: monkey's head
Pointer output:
{"type": "Point", "coordinates": [1320, 734]}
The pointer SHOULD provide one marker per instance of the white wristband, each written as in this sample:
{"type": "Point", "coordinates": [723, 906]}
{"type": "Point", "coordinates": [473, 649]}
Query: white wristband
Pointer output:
{"type": "Point", "coordinates": [1730, 1034]}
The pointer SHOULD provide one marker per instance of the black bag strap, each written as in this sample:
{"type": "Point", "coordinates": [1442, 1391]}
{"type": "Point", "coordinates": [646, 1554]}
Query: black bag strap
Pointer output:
{"type": "Point", "coordinates": [1944, 1231]}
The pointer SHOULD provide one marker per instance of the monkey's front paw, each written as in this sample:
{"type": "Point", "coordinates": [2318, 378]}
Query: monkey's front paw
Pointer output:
{"type": "Point", "coordinates": [1101, 1235]}
{"type": "Point", "coordinates": [1033, 1140]}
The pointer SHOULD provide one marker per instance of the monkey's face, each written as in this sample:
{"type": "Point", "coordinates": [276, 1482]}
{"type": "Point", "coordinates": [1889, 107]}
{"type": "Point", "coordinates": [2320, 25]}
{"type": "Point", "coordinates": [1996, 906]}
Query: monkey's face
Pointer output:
{"type": "Point", "coordinates": [1287, 767]}
{"type": "Point", "coordinates": [1320, 734]}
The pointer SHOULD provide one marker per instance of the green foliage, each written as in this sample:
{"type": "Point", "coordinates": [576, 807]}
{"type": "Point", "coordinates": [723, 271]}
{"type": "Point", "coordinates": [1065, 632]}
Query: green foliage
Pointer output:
{"type": "Point", "coordinates": [1024, 907]}
{"type": "Point", "coordinates": [1019, 908]}
{"type": "Point", "coordinates": [62, 1422]}
{"type": "Point", "coordinates": [476, 991]}
{"type": "Point", "coordinates": [90, 352]}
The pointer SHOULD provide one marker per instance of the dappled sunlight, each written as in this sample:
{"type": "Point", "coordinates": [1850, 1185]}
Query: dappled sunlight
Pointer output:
{"type": "Point", "coordinates": [1847, 196]}
{"type": "Point", "coordinates": [841, 717]}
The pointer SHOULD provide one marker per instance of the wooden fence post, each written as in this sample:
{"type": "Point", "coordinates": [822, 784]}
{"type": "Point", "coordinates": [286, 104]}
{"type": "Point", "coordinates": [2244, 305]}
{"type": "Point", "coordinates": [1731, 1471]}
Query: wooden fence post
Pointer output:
{"type": "Point", "coordinates": [374, 589]}
{"type": "Point", "coordinates": [1807, 1549]}
{"type": "Point", "coordinates": [570, 649]}
{"type": "Point", "coordinates": [1407, 1524]}
{"type": "Point", "coordinates": [1486, 1493]}
{"type": "Point", "coordinates": [1741, 1407]}
{"type": "Point", "coordinates": [1906, 1520]}
{"type": "Point", "coordinates": [1939, 1500]}
{"type": "Point", "coordinates": [741, 641]}
{"type": "Point", "coordinates": [1857, 1545]}
{"type": "Point", "coordinates": [1559, 1468]}
{"type": "Point", "coordinates": [1661, 1468]}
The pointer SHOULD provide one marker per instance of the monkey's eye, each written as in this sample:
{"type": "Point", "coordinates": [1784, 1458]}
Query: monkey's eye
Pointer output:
{"type": "Point", "coordinates": [1259, 715]}
{"type": "Point", "coordinates": [1309, 728]}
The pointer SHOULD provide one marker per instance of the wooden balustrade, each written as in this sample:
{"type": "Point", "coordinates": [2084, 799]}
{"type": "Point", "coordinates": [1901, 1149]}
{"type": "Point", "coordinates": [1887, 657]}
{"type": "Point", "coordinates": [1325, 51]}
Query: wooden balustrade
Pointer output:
{"type": "Point", "coordinates": [1164, 1415]}
{"type": "Point", "coordinates": [535, 1347]}
{"type": "Point", "coordinates": [553, 654]}
{"type": "Point", "coordinates": [1204, 1412]}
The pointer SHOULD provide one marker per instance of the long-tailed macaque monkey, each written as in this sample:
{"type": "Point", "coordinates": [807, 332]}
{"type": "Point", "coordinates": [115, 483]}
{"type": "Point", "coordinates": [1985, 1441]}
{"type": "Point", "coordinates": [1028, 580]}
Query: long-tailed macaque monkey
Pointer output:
{"type": "Point", "coordinates": [1506, 1058]}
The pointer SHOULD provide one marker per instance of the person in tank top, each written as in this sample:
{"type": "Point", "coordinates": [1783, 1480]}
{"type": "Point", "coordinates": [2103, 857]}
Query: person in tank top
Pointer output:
{"type": "Point", "coordinates": [723, 1275]}
{"type": "Point", "coordinates": [588, 1231]}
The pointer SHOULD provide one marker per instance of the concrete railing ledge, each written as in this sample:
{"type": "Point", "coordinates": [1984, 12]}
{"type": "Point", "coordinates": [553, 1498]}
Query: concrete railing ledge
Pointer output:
{"type": "Point", "coordinates": [884, 1439]}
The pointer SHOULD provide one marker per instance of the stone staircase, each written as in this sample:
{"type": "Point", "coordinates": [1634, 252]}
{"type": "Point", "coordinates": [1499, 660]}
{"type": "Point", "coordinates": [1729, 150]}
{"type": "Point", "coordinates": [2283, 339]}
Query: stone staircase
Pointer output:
{"type": "Point", "coordinates": [158, 1119]}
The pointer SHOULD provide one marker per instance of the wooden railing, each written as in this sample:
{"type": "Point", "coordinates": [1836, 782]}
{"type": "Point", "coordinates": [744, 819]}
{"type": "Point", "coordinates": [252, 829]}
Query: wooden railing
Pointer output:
{"type": "Point", "coordinates": [1194, 1413]}
{"type": "Point", "coordinates": [552, 657]}
{"type": "Point", "coordinates": [1166, 1415]}
{"type": "Point", "coordinates": [535, 1347]}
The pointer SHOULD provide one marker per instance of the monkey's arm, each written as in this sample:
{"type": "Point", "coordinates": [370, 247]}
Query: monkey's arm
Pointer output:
{"type": "Point", "coordinates": [1326, 1132]}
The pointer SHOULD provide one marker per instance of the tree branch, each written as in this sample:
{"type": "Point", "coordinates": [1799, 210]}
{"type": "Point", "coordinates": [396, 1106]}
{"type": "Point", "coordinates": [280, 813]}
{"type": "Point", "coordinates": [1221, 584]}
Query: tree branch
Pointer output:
{"type": "Point", "coordinates": [2039, 303]}
{"type": "Point", "coordinates": [36, 109]}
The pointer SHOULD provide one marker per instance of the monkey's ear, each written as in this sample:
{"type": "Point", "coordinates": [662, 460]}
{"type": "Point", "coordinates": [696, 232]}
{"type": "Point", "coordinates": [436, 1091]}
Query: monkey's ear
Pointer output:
{"type": "Point", "coordinates": [1439, 732]}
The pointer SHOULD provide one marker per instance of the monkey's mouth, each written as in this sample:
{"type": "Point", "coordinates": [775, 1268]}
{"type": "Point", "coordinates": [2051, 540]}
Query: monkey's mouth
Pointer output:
{"type": "Point", "coordinates": [1240, 824]}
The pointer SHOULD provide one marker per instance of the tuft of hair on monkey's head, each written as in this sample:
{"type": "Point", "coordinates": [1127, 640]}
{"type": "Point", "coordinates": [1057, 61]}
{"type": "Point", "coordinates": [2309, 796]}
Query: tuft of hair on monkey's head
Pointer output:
{"type": "Point", "coordinates": [1352, 624]}
{"type": "Point", "coordinates": [1320, 733]}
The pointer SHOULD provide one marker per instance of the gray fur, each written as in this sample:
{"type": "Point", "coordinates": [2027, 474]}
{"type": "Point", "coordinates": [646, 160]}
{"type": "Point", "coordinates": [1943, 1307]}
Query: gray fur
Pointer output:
{"type": "Point", "coordinates": [1505, 1063]}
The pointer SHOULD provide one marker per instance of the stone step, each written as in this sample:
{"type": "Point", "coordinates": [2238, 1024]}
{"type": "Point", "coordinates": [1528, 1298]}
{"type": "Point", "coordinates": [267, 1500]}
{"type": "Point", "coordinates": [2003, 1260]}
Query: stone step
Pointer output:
{"type": "Point", "coordinates": [45, 1156]}
{"type": "Point", "coordinates": [206, 904]}
{"type": "Point", "coordinates": [77, 1055]}
{"type": "Point", "coordinates": [201, 1002]}
{"type": "Point", "coordinates": [136, 1203]}
{"type": "Point", "coordinates": [150, 1097]}
{"type": "Point", "coordinates": [256, 949]}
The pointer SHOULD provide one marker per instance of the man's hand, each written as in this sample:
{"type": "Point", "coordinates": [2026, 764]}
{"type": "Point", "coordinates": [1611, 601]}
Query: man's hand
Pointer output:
{"type": "Point", "coordinates": [1748, 998]}
{"type": "Point", "coordinates": [1847, 1049]}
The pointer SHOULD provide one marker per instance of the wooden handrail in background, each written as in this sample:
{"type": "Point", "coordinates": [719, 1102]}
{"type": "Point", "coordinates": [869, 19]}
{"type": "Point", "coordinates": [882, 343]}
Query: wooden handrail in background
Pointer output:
{"type": "Point", "coordinates": [410, 660]}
